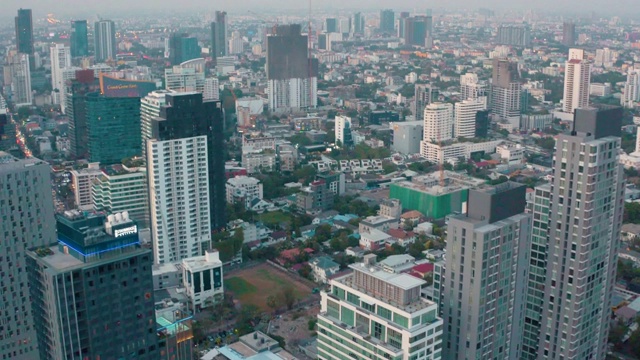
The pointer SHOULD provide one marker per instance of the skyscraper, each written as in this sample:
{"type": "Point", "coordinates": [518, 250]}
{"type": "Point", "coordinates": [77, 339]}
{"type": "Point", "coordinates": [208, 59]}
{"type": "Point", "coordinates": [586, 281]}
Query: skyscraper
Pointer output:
{"type": "Point", "coordinates": [60, 59]}
{"type": "Point", "coordinates": [515, 35]}
{"type": "Point", "coordinates": [150, 106]}
{"type": "Point", "coordinates": [79, 39]}
{"type": "Point", "coordinates": [486, 268]}
{"type": "Point", "coordinates": [377, 312]}
{"type": "Point", "coordinates": [183, 48]}
{"type": "Point", "coordinates": [471, 87]}
{"type": "Point", "coordinates": [24, 31]}
{"type": "Point", "coordinates": [236, 43]}
{"type": "Point", "coordinates": [113, 128]}
{"type": "Point", "coordinates": [27, 212]}
{"type": "Point", "coordinates": [506, 99]}
{"type": "Point", "coordinates": [466, 111]}
{"type": "Point", "coordinates": [76, 109]}
{"type": "Point", "coordinates": [331, 25]}
{"type": "Point", "coordinates": [425, 94]}
{"type": "Point", "coordinates": [580, 241]}
{"type": "Point", "coordinates": [577, 77]}
{"type": "Point", "coordinates": [20, 73]}
{"type": "Point", "coordinates": [415, 30]}
{"type": "Point", "coordinates": [401, 23]}
{"type": "Point", "coordinates": [95, 255]}
{"type": "Point", "coordinates": [104, 33]}
{"type": "Point", "coordinates": [187, 193]}
{"type": "Point", "coordinates": [292, 74]}
{"type": "Point", "coordinates": [219, 44]}
{"type": "Point", "coordinates": [358, 23]}
{"type": "Point", "coordinates": [343, 131]}
{"type": "Point", "coordinates": [569, 34]}
{"type": "Point", "coordinates": [387, 21]}
{"type": "Point", "coordinates": [631, 93]}
{"type": "Point", "coordinates": [7, 130]}
{"type": "Point", "coordinates": [438, 122]}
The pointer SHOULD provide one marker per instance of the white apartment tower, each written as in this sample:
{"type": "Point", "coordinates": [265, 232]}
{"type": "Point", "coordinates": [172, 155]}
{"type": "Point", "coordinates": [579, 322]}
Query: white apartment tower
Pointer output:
{"type": "Point", "coordinates": [471, 87]}
{"type": "Point", "coordinates": [60, 59]}
{"type": "Point", "coordinates": [438, 122]}
{"type": "Point", "coordinates": [631, 94]}
{"type": "Point", "coordinates": [577, 76]}
{"type": "Point", "coordinates": [150, 109]}
{"type": "Point", "coordinates": [342, 126]}
{"type": "Point", "coordinates": [376, 313]}
{"type": "Point", "coordinates": [484, 286]}
{"type": "Point", "coordinates": [465, 117]}
{"type": "Point", "coordinates": [179, 200]}
{"type": "Point", "coordinates": [20, 80]}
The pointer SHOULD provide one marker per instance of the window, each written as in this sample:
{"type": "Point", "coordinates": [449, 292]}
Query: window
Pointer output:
{"type": "Point", "coordinates": [378, 331]}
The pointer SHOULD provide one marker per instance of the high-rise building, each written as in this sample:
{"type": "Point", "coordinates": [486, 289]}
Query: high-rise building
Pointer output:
{"type": "Point", "coordinates": [486, 270]}
{"type": "Point", "coordinates": [569, 34]}
{"type": "Point", "coordinates": [415, 30]}
{"type": "Point", "coordinates": [576, 252]}
{"type": "Point", "coordinates": [150, 106]}
{"type": "Point", "coordinates": [387, 21]}
{"type": "Point", "coordinates": [577, 77]}
{"type": "Point", "coordinates": [425, 94]}
{"type": "Point", "coordinates": [482, 123]}
{"type": "Point", "coordinates": [345, 26]}
{"type": "Point", "coordinates": [113, 128]}
{"type": "Point", "coordinates": [515, 35]}
{"type": "Point", "coordinates": [60, 59]}
{"type": "Point", "coordinates": [466, 111]}
{"type": "Point", "coordinates": [378, 313]}
{"type": "Point", "coordinates": [79, 39]}
{"type": "Point", "coordinates": [358, 23]}
{"type": "Point", "coordinates": [120, 188]}
{"type": "Point", "coordinates": [183, 213]}
{"type": "Point", "coordinates": [631, 94]}
{"type": "Point", "coordinates": [506, 92]}
{"type": "Point", "coordinates": [236, 43]}
{"type": "Point", "coordinates": [331, 25]}
{"type": "Point", "coordinates": [183, 48]}
{"type": "Point", "coordinates": [401, 23]}
{"type": "Point", "coordinates": [82, 180]}
{"type": "Point", "coordinates": [104, 33]}
{"type": "Point", "coordinates": [211, 89]}
{"type": "Point", "coordinates": [219, 43]}
{"type": "Point", "coordinates": [27, 212]}
{"type": "Point", "coordinates": [292, 74]}
{"type": "Point", "coordinates": [190, 76]}
{"type": "Point", "coordinates": [7, 129]}
{"type": "Point", "coordinates": [95, 255]}
{"type": "Point", "coordinates": [438, 122]}
{"type": "Point", "coordinates": [24, 31]}
{"type": "Point", "coordinates": [76, 108]}
{"type": "Point", "coordinates": [343, 131]}
{"type": "Point", "coordinates": [20, 75]}
{"type": "Point", "coordinates": [471, 87]}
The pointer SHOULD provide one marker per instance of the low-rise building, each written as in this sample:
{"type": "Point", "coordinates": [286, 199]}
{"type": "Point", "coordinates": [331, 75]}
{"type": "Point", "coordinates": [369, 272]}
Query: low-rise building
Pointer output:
{"type": "Point", "coordinates": [322, 268]}
{"type": "Point", "coordinates": [82, 180]}
{"type": "Point", "coordinates": [244, 189]}
{"type": "Point", "coordinates": [202, 279]}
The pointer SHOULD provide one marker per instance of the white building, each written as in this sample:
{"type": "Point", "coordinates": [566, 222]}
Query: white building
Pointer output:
{"type": "Point", "coordinates": [202, 278]}
{"type": "Point", "coordinates": [150, 109]}
{"type": "Point", "coordinates": [631, 94]}
{"type": "Point", "coordinates": [60, 59]}
{"type": "Point", "coordinates": [178, 197]}
{"type": "Point", "coordinates": [211, 89]}
{"type": "Point", "coordinates": [471, 87]}
{"type": "Point", "coordinates": [511, 153]}
{"type": "Point", "coordinates": [68, 73]}
{"type": "Point", "coordinates": [121, 189]}
{"type": "Point", "coordinates": [465, 117]}
{"type": "Point", "coordinates": [378, 315]}
{"type": "Point", "coordinates": [438, 122]}
{"type": "Point", "coordinates": [598, 89]}
{"type": "Point", "coordinates": [243, 189]}
{"type": "Point", "coordinates": [236, 43]}
{"type": "Point", "coordinates": [82, 181]}
{"type": "Point", "coordinates": [190, 76]}
{"type": "Point", "coordinates": [577, 77]}
{"type": "Point", "coordinates": [407, 136]}
{"type": "Point", "coordinates": [342, 127]}
{"type": "Point", "coordinates": [605, 57]}
{"type": "Point", "coordinates": [20, 80]}
{"type": "Point", "coordinates": [293, 94]}
{"type": "Point", "coordinates": [452, 152]}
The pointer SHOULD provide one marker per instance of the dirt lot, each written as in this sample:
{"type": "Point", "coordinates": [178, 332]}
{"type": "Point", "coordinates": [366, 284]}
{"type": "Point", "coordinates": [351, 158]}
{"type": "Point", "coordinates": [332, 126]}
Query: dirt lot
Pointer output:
{"type": "Point", "coordinates": [254, 285]}
{"type": "Point", "coordinates": [293, 326]}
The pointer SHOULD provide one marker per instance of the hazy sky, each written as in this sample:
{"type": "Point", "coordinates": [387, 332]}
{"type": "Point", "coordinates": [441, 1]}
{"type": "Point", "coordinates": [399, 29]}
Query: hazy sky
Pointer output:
{"type": "Point", "coordinates": [70, 7]}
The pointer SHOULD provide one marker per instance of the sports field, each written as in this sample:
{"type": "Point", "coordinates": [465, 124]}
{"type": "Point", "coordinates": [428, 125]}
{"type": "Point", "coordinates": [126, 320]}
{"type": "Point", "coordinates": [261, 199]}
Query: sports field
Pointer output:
{"type": "Point", "coordinates": [256, 284]}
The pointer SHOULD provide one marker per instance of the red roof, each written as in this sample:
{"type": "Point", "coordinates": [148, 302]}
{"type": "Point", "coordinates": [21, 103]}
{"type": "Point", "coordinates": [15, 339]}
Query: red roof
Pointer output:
{"type": "Point", "coordinates": [423, 268]}
{"type": "Point", "coordinates": [400, 234]}
{"type": "Point", "coordinates": [575, 61]}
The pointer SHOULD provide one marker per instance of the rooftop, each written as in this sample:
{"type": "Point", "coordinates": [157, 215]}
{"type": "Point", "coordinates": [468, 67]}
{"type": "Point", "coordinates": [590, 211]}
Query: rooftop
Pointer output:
{"type": "Point", "coordinates": [10, 163]}
{"type": "Point", "coordinates": [403, 281]}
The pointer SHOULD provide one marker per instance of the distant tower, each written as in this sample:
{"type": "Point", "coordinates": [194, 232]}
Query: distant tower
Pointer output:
{"type": "Point", "coordinates": [577, 76]}
{"type": "Point", "coordinates": [506, 99]}
{"type": "Point", "coordinates": [79, 39]}
{"type": "Point", "coordinates": [60, 59]}
{"type": "Point", "coordinates": [104, 33]}
{"type": "Point", "coordinates": [24, 35]}
{"type": "Point", "coordinates": [219, 34]}
{"type": "Point", "coordinates": [425, 94]}
{"type": "Point", "coordinates": [569, 34]}
{"type": "Point", "coordinates": [387, 21]}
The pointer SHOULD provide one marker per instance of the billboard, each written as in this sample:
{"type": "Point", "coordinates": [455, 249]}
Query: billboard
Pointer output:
{"type": "Point", "coordinates": [114, 87]}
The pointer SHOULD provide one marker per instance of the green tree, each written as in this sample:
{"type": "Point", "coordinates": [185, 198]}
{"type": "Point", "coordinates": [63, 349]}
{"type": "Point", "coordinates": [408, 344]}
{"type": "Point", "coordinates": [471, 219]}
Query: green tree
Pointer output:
{"type": "Point", "coordinates": [288, 296]}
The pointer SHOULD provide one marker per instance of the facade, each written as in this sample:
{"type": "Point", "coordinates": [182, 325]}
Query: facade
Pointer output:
{"type": "Point", "coordinates": [378, 314]}
{"type": "Point", "coordinates": [219, 44]}
{"type": "Point", "coordinates": [243, 189]}
{"type": "Point", "coordinates": [112, 121]}
{"type": "Point", "coordinates": [387, 21]}
{"type": "Point", "coordinates": [183, 48]}
{"type": "Point", "coordinates": [60, 59]}
{"type": "Point", "coordinates": [119, 189]}
{"type": "Point", "coordinates": [82, 180]}
{"type": "Point", "coordinates": [425, 94]}
{"type": "Point", "coordinates": [24, 32]}
{"type": "Point", "coordinates": [202, 278]}
{"type": "Point", "coordinates": [631, 94]}
{"type": "Point", "coordinates": [464, 125]}
{"type": "Point", "coordinates": [358, 23]}
{"type": "Point", "coordinates": [514, 35]}
{"type": "Point", "coordinates": [150, 106]}
{"type": "Point", "coordinates": [104, 33]}
{"type": "Point", "coordinates": [414, 30]}
{"type": "Point", "coordinates": [94, 256]}
{"type": "Point", "coordinates": [581, 254]}
{"type": "Point", "coordinates": [569, 34]}
{"type": "Point", "coordinates": [20, 72]}
{"type": "Point", "coordinates": [471, 87]}
{"type": "Point", "coordinates": [7, 130]}
{"type": "Point", "coordinates": [175, 334]}
{"type": "Point", "coordinates": [76, 109]}
{"type": "Point", "coordinates": [292, 75]}
{"type": "Point", "coordinates": [28, 221]}
{"type": "Point", "coordinates": [342, 131]}
{"type": "Point", "coordinates": [577, 76]}
{"type": "Point", "coordinates": [496, 234]}
{"type": "Point", "coordinates": [506, 92]}
{"type": "Point", "coordinates": [438, 124]}
{"type": "Point", "coordinates": [79, 39]}
{"type": "Point", "coordinates": [407, 136]}
{"type": "Point", "coordinates": [187, 137]}
{"type": "Point", "coordinates": [316, 197]}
